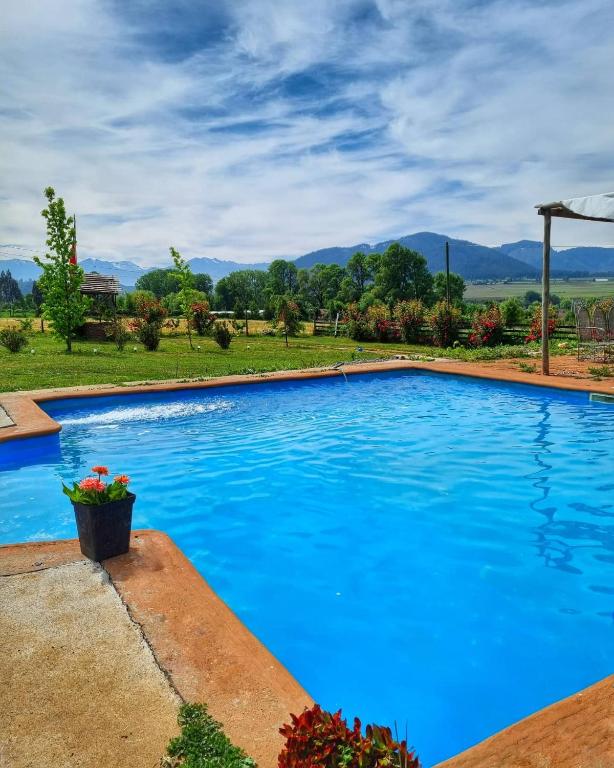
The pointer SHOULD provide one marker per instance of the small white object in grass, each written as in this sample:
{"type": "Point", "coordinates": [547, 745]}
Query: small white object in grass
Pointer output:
{"type": "Point", "coordinates": [198, 347]}
{"type": "Point", "coordinates": [134, 349]}
{"type": "Point", "coordinates": [32, 351]}
{"type": "Point", "coordinates": [95, 351]}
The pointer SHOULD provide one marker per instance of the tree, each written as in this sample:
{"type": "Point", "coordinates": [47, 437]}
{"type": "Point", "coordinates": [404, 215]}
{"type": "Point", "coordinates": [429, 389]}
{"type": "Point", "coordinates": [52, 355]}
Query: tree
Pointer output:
{"type": "Point", "coordinates": [457, 287]}
{"type": "Point", "coordinates": [531, 297]}
{"type": "Point", "coordinates": [204, 284]}
{"type": "Point", "coordinates": [242, 292]}
{"type": "Point", "coordinates": [160, 282]}
{"type": "Point", "coordinates": [61, 280]}
{"type": "Point", "coordinates": [402, 274]}
{"type": "Point", "coordinates": [358, 276]}
{"type": "Point", "coordinates": [282, 278]}
{"type": "Point", "coordinates": [37, 299]}
{"type": "Point", "coordinates": [10, 293]}
{"type": "Point", "coordinates": [186, 294]}
{"type": "Point", "coordinates": [288, 315]}
{"type": "Point", "coordinates": [512, 312]}
{"type": "Point", "coordinates": [320, 285]}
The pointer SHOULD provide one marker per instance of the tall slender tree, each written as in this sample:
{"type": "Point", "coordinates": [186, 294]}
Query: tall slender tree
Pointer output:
{"type": "Point", "coordinates": [60, 282]}
{"type": "Point", "coordinates": [187, 291]}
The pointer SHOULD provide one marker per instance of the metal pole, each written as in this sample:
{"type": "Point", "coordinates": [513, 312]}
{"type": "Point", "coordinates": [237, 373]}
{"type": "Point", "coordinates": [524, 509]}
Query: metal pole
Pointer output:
{"type": "Point", "coordinates": [546, 293]}
{"type": "Point", "coordinates": [448, 274]}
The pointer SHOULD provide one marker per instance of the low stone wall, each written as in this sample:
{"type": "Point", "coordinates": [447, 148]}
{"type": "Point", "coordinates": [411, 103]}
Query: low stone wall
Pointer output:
{"type": "Point", "coordinates": [96, 331]}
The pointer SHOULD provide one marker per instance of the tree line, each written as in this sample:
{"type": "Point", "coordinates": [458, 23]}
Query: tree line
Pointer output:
{"type": "Point", "coordinates": [378, 278]}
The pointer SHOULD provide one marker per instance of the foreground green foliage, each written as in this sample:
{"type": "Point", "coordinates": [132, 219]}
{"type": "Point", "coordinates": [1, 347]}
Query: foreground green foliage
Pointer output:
{"type": "Point", "coordinates": [202, 743]}
{"type": "Point", "coordinates": [61, 280]}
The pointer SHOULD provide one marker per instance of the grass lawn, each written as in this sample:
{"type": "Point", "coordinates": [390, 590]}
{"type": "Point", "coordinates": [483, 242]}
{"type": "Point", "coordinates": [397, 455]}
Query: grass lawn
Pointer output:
{"type": "Point", "coordinates": [570, 289]}
{"type": "Point", "coordinates": [50, 366]}
{"type": "Point", "coordinates": [101, 363]}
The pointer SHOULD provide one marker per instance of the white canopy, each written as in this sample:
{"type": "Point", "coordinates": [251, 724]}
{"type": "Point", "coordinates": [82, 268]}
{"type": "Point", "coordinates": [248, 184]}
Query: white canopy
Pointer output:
{"type": "Point", "coordinates": [593, 207]}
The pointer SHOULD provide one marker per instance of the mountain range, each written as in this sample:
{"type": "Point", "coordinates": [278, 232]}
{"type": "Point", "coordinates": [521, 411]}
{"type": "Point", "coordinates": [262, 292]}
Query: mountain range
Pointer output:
{"type": "Point", "coordinates": [471, 260]}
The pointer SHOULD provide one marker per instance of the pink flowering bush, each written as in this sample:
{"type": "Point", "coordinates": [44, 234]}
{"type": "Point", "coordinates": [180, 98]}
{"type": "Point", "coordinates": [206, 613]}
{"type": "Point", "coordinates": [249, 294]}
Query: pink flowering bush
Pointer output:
{"type": "Point", "coordinates": [93, 490]}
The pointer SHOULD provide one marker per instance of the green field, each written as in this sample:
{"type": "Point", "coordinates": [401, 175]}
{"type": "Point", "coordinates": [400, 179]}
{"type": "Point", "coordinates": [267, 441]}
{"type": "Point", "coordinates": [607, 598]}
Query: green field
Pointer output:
{"type": "Point", "coordinates": [565, 289]}
{"type": "Point", "coordinates": [101, 363]}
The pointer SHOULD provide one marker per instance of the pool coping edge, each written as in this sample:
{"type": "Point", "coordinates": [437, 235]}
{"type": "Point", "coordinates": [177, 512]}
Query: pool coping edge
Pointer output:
{"type": "Point", "coordinates": [29, 420]}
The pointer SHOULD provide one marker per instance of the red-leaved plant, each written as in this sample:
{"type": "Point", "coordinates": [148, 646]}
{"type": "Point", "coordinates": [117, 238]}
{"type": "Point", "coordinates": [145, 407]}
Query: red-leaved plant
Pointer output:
{"type": "Point", "coordinates": [535, 333]}
{"type": "Point", "coordinates": [93, 490]}
{"type": "Point", "coordinates": [320, 739]}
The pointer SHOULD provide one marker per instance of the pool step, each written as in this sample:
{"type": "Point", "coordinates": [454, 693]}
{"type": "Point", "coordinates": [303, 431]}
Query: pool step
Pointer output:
{"type": "Point", "coordinates": [598, 397]}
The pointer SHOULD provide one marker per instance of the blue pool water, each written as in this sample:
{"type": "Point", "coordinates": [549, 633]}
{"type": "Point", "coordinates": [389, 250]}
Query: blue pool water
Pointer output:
{"type": "Point", "coordinates": [415, 547]}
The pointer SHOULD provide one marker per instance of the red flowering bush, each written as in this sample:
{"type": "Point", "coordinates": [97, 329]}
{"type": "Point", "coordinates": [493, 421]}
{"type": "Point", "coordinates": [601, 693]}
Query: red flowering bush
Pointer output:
{"type": "Point", "coordinates": [372, 325]}
{"type": "Point", "coordinates": [320, 739]}
{"type": "Point", "coordinates": [379, 323]}
{"type": "Point", "coordinates": [535, 332]}
{"type": "Point", "coordinates": [445, 324]}
{"type": "Point", "coordinates": [410, 317]}
{"type": "Point", "coordinates": [356, 323]}
{"type": "Point", "coordinates": [202, 319]}
{"type": "Point", "coordinates": [487, 328]}
{"type": "Point", "coordinates": [148, 323]}
{"type": "Point", "coordinates": [93, 490]}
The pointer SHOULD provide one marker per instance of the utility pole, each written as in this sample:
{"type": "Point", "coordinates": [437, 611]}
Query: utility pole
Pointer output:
{"type": "Point", "coordinates": [448, 275]}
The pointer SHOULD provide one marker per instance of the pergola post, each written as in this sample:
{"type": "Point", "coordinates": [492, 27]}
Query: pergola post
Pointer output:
{"type": "Point", "coordinates": [546, 293]}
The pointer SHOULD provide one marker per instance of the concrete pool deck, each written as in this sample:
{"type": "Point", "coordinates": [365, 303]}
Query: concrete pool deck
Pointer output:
{"type": "Point", "coordinates": [207, 653]}
{"type": "Point", "coordinates": [190, 641]}
{"type": "Point", "coordinates": [80, 686]}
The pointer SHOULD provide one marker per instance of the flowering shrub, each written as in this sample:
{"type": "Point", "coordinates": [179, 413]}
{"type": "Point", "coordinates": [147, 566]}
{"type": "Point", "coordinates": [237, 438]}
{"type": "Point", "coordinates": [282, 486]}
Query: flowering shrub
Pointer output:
{"type": "Point", "coordinates": [320, 739]}
{"type": "Point", "coordinates": [202, 319]}
{"type": "Point", "coordinates": [148, 323]}
{"type": "Point", "coordinates": [357, 325]}
{"type": "Point", "coordinates": [487, 328]}
{"type": "Point", "coordinates": [535, 332]}
{"type": "Point", "coordinates": [445, 324]}
{"type": "Point", "coordinates": [371, 325]}
{"type": "Point", "coordinates": [119, 333]}
{"type": "Point", "coordinates": [381, 327]}
{"type": "Point", "coordinates": [93, 490]}
{"type": "Point", "coordinates": [410, 317]}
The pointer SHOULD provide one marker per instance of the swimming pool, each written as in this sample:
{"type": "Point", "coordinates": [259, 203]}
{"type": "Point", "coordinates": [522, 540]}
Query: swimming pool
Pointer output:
{"type": "Point", "coordinates": [416, 547]}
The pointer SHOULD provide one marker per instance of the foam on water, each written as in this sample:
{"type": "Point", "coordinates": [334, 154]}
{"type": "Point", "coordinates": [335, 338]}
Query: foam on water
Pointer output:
{"type": "Point", "coordinates": [124, 415]}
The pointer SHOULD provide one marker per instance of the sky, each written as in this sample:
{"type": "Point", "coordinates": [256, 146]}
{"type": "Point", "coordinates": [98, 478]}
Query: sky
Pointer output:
{"type": "Point", "coordinates": [259, 129]}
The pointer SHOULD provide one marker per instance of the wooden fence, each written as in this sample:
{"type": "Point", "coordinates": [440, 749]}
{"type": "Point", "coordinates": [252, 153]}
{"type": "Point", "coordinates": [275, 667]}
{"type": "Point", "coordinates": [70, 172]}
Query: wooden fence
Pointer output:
{"type": "Point", "coordinates": [323, 326]}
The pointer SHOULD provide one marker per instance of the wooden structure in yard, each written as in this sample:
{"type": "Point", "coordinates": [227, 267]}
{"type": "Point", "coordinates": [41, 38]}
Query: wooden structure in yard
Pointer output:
{"type": "Point", "coordinates": [101, 287]}
{"type": "Point", "coordinates": [592, 208]}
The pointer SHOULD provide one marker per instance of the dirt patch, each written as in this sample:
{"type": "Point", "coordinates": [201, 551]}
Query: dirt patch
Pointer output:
{"type": "Point", "coordinates": [80, 687]}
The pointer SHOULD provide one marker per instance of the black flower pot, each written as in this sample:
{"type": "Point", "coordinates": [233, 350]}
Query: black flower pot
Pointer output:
{"type": "Point", "coordinates": [104, 529]}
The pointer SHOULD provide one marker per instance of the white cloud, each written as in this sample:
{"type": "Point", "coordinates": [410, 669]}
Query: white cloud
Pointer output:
{"type": "Point", "coordinates": [474, 111]}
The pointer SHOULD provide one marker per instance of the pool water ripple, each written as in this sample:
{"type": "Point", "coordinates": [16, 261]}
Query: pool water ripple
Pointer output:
{"type": "Point", "coordinates": [414, 547]}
